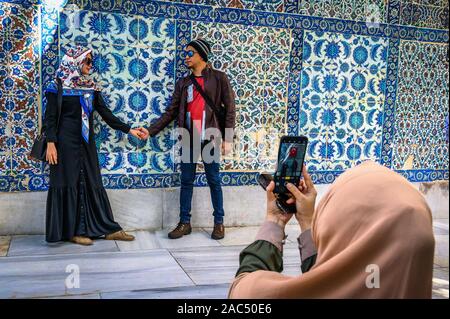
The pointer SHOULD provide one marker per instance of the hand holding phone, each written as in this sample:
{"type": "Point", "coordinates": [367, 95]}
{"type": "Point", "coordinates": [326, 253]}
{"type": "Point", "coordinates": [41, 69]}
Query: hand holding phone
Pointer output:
{"type": "Point", "coordinates": [264, 180]}
{"type": "Point", "coordinates": [291, 155]}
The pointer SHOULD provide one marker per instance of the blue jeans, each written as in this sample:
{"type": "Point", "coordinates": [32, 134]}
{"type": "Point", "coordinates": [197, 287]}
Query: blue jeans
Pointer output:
{"type": "Point", "coordinates": [188, 171]}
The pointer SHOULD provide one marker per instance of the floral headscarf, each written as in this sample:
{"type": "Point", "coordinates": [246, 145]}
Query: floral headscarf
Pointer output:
{"type": "Point", "coordinates": [69, 70]}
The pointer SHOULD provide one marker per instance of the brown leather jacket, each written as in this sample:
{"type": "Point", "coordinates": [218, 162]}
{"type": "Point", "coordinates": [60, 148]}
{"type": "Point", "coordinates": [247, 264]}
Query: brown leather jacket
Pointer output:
{"type": "Point", "coordinates": [217, 87]}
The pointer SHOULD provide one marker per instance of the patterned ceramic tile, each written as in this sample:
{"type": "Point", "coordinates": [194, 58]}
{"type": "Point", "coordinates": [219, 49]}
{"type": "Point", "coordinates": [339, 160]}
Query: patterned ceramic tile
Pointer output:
{"type": "Point", "coordinates": [275, 68]}
{"type": "Point", "coordinates": [256, 59]}
{"type": "Point", "coordinates": [359, 10]}
{"type": "Point", "coordinates": [117, 66]}
{"type": "Point", "coordinates": [420, 121]}
{"type": "Point", "coordinates": [437, 3]}
{"type": "Point", "coordinates": [424, 67]}
{"type": "Point", "coordinates": [275, 106]}
{"type": "Point", "coordinates": [108, 139]}
{"type": "Point", "coordinates": [19, 75]}
{"type": "Point", "coordinates": [50, 44]}
{"type": "Point", "coordinates": [420, 145]}
{"type": "Point", "coordinates": [247, 68]}
{"type": "Point", "coordinates": [433, 157]}
{"type": "Point", "coordinates": [268, 152]}
{"type": "Point", "coordinates": [24, 21]}
{"type": "Point", "coordinates": [24, 124]}
{"type": "Point", "coordinates": [342, 96]}
{"type": "Point", "coordinates": [116, 162]}
{"type": "Point", "coordinates": [5, 164]}
{"type": "Point", "coordinates": [248, 151]}
{"type": "Point", "coordinates": [316, 165]}
{"type": "Point", "coordinates": [135, 162]}
{"type": "Point", "coordinates": [275, 41]}
{"type": "Point", "coordinates": [157, 69]}
{"type": "Point", "coordinates": [5, 128]}
{"type": "Point", "coordinates": [80, 28]}
{"type": "Point", "coordinates": [424, 15]}
{"type": "Point", "coordinates": [22, 163]}
{"type": "Point", "coordinates": [157, 103]}
{"type": "Point", "coordinates": [5, 17]}
{"type": "Point", "coordinates": [341, 87]}
{"type": "Point", "coordinates": [118, 29]}
{"type": "Point", "coordinates": [158, 163]}
{"type": "Point", "coordinates": [157, 33]}
{"type": "Point", "coordinates": [263, 5]}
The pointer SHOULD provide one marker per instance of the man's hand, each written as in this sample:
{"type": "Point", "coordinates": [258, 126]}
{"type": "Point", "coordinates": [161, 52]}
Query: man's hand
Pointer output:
{"type": "Point", "coordinates": [226, 148]}
{"type": "Point", "coordinates": [52, 154]}
{"type": "Point", "coordinates": [304, 199]}
{"type": "Point", "coordinates": [143, 133]}
{"type": "Point", "coordinates": [273, 212]}
{"type": "Point", "coordinates": [136, 133]}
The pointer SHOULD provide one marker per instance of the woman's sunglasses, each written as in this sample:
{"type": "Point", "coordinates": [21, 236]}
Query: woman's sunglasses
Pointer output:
{"type": "Point", "coordinates": [190, 53]}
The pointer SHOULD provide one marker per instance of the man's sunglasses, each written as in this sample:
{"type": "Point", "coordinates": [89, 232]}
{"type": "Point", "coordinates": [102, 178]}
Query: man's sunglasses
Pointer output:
{"type": "Point", "coordinates": [190, 53]}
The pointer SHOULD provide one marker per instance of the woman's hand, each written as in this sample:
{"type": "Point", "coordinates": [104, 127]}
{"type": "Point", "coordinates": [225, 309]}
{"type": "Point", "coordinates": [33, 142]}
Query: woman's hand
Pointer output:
{"type": "Point", "coordinates": [273, 212]}
{"type": "Point", "coordinates": [52, 154]}
{"type": "Point", "coordinates": [144, 132]}
{"type": "Point", "coordinates": [136, 133]}
{"type": "Point", "coordinates": [305, 199]}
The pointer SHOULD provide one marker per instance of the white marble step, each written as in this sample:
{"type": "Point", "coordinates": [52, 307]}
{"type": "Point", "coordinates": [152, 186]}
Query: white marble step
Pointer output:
{"type": "Point", "coordinates": [219, 291]}
{"type": "Point", "coordinates": [210, 265]}
{"type": "Point", "coordinates": [45, 276]}
{"type": "Point", "coordinates": [32, 245]}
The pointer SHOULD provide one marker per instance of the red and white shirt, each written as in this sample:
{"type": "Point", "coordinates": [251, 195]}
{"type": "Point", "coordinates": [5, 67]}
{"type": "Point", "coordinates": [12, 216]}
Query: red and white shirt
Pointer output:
{"type": "Point", "coordinates": [196, 107]}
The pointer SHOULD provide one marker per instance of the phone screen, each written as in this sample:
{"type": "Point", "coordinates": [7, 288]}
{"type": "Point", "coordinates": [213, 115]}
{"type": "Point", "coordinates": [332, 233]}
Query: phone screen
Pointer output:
{"type": "Point", "coordinates": [290, 162]}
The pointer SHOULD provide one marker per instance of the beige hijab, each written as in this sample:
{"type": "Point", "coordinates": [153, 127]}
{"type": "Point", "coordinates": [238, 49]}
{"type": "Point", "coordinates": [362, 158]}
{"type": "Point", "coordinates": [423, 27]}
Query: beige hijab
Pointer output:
{"type": "Point", "coordinates": [371, 218]}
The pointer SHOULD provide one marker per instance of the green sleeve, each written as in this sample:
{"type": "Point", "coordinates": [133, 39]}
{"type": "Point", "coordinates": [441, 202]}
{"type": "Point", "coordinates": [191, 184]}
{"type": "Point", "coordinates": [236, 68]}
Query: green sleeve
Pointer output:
{"type": "Point", "coordinates": [308, 263]}
{"type": "Point", "coordinates": [261, 255]}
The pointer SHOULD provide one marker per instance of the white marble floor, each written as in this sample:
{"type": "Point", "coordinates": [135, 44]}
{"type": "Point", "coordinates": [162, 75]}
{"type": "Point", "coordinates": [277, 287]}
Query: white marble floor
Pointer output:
{"type": "Point", "coordinates": [152, 266]}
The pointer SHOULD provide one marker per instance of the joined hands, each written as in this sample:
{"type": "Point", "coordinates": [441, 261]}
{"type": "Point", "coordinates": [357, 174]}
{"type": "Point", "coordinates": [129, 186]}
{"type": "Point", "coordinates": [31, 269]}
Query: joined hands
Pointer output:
{"type": "Point", "coordinates": [140, 133]}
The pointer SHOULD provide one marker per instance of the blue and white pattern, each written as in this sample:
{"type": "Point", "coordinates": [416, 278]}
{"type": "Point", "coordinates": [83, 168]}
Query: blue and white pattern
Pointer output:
{"type": "Point", "coordinates": [342, 97]}
{"type": "Point", "coordinates": [298, 66]}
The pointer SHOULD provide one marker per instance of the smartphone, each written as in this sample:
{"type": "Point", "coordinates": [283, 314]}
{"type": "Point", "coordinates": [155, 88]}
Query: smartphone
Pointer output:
{"type": "Point", "coordinates": [264, 180]}
{"type": "Point", "coordinates": [291, 155]}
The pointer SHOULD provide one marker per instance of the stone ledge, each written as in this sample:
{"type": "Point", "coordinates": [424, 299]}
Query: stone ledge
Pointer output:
{"type": "Point", "coordinates": [153, 209]}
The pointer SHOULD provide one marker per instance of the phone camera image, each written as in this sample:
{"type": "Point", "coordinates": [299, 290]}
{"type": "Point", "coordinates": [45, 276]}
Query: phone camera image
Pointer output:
{"type": "Point", "coordinates": [290, 162]}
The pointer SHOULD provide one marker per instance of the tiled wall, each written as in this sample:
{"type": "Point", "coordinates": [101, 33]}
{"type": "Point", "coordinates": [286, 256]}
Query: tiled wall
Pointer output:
{"type": "Point", "coordinates": [19, 94]}
{"type": "Point", "coordinates": [135, 66]}
{"type": "Point", "coordinates": [312, 67]}
{"type": "Point", "coordinates": [422, 106]}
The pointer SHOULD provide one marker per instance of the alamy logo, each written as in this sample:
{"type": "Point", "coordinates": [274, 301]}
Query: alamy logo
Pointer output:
{"type": "Point", "coordinates": [373, 279]}
{"type": "Point", "coordinates": [72, 12]}
{"type": "Point", "coordinates": [73, 280]}
{"type": "Point", "coordinates": [373, 16]}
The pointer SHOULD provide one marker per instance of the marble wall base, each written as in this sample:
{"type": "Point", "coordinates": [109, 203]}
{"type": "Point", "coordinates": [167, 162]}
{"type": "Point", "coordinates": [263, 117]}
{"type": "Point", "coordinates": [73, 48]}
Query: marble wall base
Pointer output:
{"type": "Point", "coordinates": [153, 209]}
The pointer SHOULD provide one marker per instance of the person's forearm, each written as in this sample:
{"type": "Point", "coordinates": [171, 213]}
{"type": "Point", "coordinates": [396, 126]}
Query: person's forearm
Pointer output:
{"type": "Point", "coordinates": [307, 248]}
{"type": "Point", "coordinates": [273, 232]}
{"type": "Point", "coordinates": [265, 253]}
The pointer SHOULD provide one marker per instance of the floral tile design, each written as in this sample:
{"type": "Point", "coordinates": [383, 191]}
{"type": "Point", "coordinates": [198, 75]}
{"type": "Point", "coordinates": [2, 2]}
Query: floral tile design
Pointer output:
{"type": "Point", "coordinates": [343, 84]}
{"type": "Point", "coordinates": [425, 14]}
{"type": "Point", "coordinates": [256, 59]}
{"type": "Point", "coordinates": [333, 86]}
{"type": "Point", "coordinates": [419, 133]}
